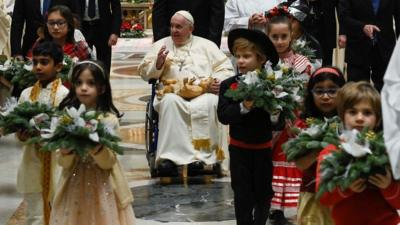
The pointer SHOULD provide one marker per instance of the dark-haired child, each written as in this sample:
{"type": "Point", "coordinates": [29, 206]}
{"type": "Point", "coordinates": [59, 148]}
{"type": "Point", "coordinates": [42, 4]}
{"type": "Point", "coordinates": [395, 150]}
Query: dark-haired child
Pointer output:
{"type": "Point", "coordinates": [92, 190]}
{"type": "Point", "coordinates": [319, 102]}
{"type": "Point", "coordinates": [60, 28]}
{"type": "Point", "coordinates": [36, 172]}
{"type": "Point", "coordinates": [279, 30]}
{"type": "Point", "coordinates": [250, 131]}
{"type": "Point", "coordinates": [286, 177]}
{"type": "Point", "coordinates": [373, 200]}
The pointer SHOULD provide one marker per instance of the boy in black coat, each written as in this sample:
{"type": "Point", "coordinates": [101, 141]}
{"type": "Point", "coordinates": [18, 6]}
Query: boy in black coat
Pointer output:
{"type": "Point", "coordinates": [250, 131]}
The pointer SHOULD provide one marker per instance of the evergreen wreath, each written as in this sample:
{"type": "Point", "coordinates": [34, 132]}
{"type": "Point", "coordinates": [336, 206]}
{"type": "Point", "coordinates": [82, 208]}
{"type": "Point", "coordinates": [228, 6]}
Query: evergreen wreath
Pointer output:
{"type": "Point", "coordinates": [318, 135]}
{"type": "Point", "coordinates": [277, 90]}
{"type": "Point", "coordinates": [78, 130]}
{"type": "Point", "coordinates": [360, 155]}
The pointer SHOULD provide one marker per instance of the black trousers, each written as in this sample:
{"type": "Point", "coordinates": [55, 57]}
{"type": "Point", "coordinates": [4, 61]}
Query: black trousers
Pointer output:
{"type": "Point", "coordinates": [96, 35]}
{"type": "Point", "coordinates": [375, 70]}
{"type": "Point", "coordinates": [251, 180]}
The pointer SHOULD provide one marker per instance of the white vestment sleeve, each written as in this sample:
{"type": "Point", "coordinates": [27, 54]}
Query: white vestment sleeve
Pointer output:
{"type": "Point", "coordinates": [391, 111]}
{"type": "Point", "coordinates": [233, 19]}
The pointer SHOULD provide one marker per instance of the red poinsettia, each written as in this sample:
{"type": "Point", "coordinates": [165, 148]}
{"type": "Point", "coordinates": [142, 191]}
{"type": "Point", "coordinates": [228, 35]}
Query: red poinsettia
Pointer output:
{"type": "Point", "coordinates": [126, 26]}
{"type": "Point", "coordinates": [278, 11]}
{"type": "Point", "coordinates": [234, 86]}
{"type": "Point", "coordinates": [137, 27]}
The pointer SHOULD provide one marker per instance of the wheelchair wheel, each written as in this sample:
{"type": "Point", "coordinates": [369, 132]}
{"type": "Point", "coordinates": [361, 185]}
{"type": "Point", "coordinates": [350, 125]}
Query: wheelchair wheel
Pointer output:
{"type": "Point", "coordinates": [151, 133]}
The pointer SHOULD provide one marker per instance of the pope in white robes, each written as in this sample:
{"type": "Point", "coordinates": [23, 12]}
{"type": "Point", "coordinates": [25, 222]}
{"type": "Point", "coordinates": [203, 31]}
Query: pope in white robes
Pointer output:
{"type": "Point", "coordinates": [189, 130]}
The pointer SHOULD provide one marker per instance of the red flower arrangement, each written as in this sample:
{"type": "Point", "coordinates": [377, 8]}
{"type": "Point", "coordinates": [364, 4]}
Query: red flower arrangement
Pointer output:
{"type": "Point", "coordinates": [132, 31]}
{"type": "Point", "coordinates": [278, 11]}
{"type": "Point", "coordinates": [137, 27]}
{"type": "Point", "coordinates": [234, 86]}
{"type": "Point", "coordinates": [125, 26]}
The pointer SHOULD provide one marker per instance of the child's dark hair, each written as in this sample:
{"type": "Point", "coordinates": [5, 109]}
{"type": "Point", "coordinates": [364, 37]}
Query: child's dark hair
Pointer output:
{"type": "Point", "coordinates": [101, 78]}
{"type": "Point", "coordinates": [49, 49]}
{"type": "Point", "coordinates": [69, 18]}
{"type": "Point", "coordinates": [277, 20]}
{"type": "Point", "coordinates": [322, 74]}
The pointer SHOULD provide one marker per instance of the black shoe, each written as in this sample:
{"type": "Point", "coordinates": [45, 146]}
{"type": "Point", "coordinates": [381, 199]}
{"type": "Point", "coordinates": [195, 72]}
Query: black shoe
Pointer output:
{"type": "Point", "coordinates": [278, 218]}
{"type": "Point", "coordinates": [167, 168]}
{"type": "Point", "coordinates": [195, 168]}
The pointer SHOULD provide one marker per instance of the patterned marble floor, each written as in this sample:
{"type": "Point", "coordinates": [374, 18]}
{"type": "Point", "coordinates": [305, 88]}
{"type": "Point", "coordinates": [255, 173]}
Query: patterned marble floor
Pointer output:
{"type": "Point", "coordinates": [195, 203]}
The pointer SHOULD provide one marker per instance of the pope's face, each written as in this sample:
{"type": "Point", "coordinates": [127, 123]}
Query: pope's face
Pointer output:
{"type": "Point", "coordinates": [181, 29]}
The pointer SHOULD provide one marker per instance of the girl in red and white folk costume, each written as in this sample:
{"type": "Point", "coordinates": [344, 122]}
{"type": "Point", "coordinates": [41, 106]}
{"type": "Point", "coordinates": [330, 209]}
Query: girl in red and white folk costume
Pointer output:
{"type": "Point", "coordinates": [319, 102]}
{"type": "Point", "coordinates": [286, 180]}
{"type": "Point", "coordinates": [370, 201]}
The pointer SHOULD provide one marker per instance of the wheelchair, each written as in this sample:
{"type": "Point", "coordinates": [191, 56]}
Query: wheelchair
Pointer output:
{"type": "Point", "coordinates": [169, 169]}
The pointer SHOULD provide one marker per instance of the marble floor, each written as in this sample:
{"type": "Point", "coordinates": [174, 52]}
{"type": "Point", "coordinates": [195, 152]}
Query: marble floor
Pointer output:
{"type": "Point", "coordinates": [197, 202]}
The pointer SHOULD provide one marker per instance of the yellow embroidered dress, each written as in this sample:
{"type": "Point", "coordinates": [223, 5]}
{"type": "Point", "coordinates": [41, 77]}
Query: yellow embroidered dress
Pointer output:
{"type": "Point", "coordinates": [92, 191]}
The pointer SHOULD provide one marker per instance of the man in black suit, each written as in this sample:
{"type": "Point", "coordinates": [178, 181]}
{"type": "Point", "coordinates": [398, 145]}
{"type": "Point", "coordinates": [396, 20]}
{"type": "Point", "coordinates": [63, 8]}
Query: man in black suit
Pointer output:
{"type": "Point", "coordinates": [101, 21]}
{"type": "Point", "coordinates": [370, 37]}
{"type": "Point", "coordinates": [208, 14]}
{"type": "Point", "coordinates": [31, 13]}
{"type": "Point", "coordinates": [322, 25]}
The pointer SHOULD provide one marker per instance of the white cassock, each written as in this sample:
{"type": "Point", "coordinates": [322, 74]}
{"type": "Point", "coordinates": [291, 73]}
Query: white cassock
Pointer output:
{"type": "Point", "coordinates": [237, 12]}
{"type": "Point", "coordinates": [390, 96]}
{"type": "Point", "coordinates": [29, 175]}
{"type": "Point", "coordinates": [5, 26]}
{"type": "Point", "coordinates": [189, 130]}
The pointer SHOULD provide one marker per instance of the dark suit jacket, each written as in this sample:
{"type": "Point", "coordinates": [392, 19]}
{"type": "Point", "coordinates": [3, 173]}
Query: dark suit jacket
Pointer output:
{"type": "Point", "coordinates": [325, 25]}
{"type": "Point", "coordinates": [28, 12]}
{"type": "Point", "coordinates": [208, 17]}
{"type": "Point", "coordinates": [358, 13]}
{"type": "Point", "coordinates": [110, 16]}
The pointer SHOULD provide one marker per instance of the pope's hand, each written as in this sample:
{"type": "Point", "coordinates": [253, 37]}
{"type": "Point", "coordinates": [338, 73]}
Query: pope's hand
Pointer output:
{"type": "Point", "coordinates": [162, 55]}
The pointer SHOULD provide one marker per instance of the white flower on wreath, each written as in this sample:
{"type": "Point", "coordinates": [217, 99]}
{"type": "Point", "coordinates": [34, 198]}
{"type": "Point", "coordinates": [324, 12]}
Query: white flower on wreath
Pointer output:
{"type": "Point", "coordinates": [38, 119]}
{"type": "Point", "coordinates": [49, 133]}
{"type": "Point", "coordinates": [313, 130]}
{"type": "Point", "coordinates": [109, 127]}
{"type": "Point", "coordinates": [28, 66]}
{"type": "Point", "coordinates": [5, 66]}
{"type": "Point", "coordinates": [279, 92]}
{"type": "Point", "coordinates": [9, 106]}
{"type": "Point", "coordinates": [301, 43]}
{"type": "Point", "coordinates": [251, 78]}
{"type": "Point", "coordinates": [351, 146]}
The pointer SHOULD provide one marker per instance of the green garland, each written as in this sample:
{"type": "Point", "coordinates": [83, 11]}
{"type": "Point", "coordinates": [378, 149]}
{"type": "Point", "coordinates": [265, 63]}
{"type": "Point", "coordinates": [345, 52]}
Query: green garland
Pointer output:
{"type": "Point", "coordinates": [18, 117]}
{"type": "Point", "coordinates": [67, 66]}
{"type": "Point", "coordinates": [20, 74]}
{"type": "Point", "coordinates": [341, 169]}
{"type": "Point", "coordinates": [273, 90]}
{"type": "Point", "coordinates": [318, 135]}
{"type": "Point", "coordinates": [79, 130]}
{"type": "Point", "coordinates": [133, 34]}
{"type": "Point", "coordinates": [303, 48]}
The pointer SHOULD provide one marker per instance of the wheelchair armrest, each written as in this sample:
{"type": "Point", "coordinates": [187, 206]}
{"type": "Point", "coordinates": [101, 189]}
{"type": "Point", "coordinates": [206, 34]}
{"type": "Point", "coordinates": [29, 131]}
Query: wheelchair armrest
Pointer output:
{"type": "Point", "coordinates": [153, 81]}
